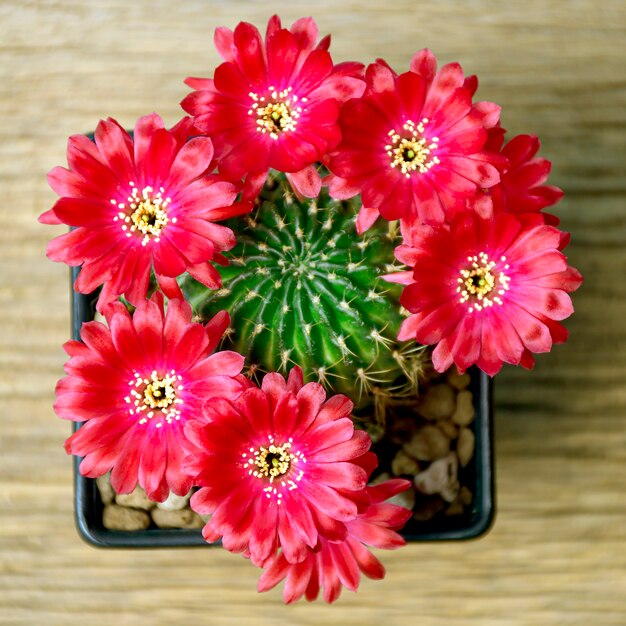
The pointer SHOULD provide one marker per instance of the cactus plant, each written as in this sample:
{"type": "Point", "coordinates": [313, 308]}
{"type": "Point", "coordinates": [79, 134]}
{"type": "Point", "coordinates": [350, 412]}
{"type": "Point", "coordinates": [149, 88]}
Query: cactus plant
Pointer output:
{"type": "Point", "coordinates": [304, 288]}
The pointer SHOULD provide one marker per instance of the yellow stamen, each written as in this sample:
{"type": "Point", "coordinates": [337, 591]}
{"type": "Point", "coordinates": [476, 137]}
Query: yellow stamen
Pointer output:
{"type": "Point", "coordinates": [410, 150]}
{"type": "Point", "coordinates": [276, 113]}
{"type": "Point", "coordinates": [144, 212]}
{"type": "Point", "coordinates": [481, 284]}
{"type": "Point", "coordinates": [276, 463]}
{"type": "Point", "coordinates": [155, 397]}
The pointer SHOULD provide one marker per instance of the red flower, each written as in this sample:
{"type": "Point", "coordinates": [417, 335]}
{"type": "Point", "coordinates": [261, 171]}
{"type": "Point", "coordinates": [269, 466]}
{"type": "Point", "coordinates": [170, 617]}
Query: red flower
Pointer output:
{"type": "Point", "coordinates": [273, 104]}
{"type": "Point", "coordinates": [135, 385]}
{"type": "Point", "coordinates": [486, 291]}
{"type": "Point", "coordinates": [335, 563]}
{"type": "Point", "coordinates": [279, 466]}
{"type": "Point", "coordinates": [521, 188]}
{"type": "Point", "coordinates": [413, 144]}
{"type": "Point", "coordinates": [141, 204]}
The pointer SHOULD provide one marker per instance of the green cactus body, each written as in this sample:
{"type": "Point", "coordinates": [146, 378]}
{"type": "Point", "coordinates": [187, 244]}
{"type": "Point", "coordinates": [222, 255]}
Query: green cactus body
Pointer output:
{"type": "Point", "coordinates": [303, 288]}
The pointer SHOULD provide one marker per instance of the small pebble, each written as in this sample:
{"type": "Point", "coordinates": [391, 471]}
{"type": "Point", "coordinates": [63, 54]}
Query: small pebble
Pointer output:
{"type": "Point", "coordinates": [458, 381]}
{"type": "Point", "coordinates": [441, 477]}
{"type": "Point", "coordinates": [116, 517]}
{"type": "Point", "coordinates": [107, 495]}
{"type": "Point", "coordinates": [448, 428]}
{"type": "Point", "coordinates": [186, 518]}
{"type": "Point", "coordinates": [456, 508]}
{"type": "Point", "coordinates": [174, 502]}
{"type": "Point", "coordinates": [402, 463]}
{"type": "Point", "coordinates": [465, 412]}
{"type": "Point", "coordinates": [463, 499]}
{"type": "Point", "coordinates": [437, 403]}
{"type": "Point", "coordinates": [465, 446]}
{"type": "Point", "coordinates": [427, 444]}
{"type": "Point", "coordinates": [450, 493]}
{"type": "Point", "coordinates": [466, 496]}
{"type": "Point", "coordinates": [137, 499]}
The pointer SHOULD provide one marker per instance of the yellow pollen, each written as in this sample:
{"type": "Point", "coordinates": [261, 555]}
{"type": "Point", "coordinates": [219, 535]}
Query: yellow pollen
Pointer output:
{"type": "Point", "coordinates": [272, 461]}
{"type": "Point", "coordinates": [410, 150]}
{"type": "Point", "coordinates": [276, 113]}
{"type": "Point", "coordinates": [276, 463]}
{"type": "Point", "coordinates": [144, 212]}
{"type": "Point", "coordinates": [480, 283]}
{"type": "Point", "coordinates": [154, 396]}
{"type": "Point", "coordinates": [159, 393]}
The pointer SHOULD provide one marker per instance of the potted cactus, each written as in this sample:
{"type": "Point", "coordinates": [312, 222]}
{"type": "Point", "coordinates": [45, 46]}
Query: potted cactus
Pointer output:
{"type": "Point", "coordinates": [269, 275]}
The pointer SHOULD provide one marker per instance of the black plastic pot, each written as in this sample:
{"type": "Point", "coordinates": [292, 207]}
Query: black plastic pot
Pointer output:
{"type": "Point", "coordinates": [478, 475]}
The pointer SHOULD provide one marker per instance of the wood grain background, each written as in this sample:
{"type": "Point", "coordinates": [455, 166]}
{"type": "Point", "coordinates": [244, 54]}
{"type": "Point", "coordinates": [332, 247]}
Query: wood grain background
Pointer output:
{"type": "Point", "coordinates": [557, 553]}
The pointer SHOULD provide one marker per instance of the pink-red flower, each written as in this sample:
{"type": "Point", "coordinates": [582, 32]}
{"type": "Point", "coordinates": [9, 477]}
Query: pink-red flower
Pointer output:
{"type": "Point", "coordinates": [273, 103]}
{"type": "Point", "coordinates": [486, 291]}
{"type": "Point", "coordinates": [413, 144]}
{"type": "Point", "coordinates": [140, 204]}
{"type": "Point", "coordinates": [135, 384]}
{"type": "Point", "coordinates": [521, 188]}
{"type": "Point", "coordinates": [333, 564]}
{"type": "Point", "coordinates": [279, 467]}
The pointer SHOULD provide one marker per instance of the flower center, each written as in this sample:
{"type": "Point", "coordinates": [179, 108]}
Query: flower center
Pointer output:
{"type": "Point", "coordinates": [272, 461]}
{"type": "Point", "coordinates": [160, 393]}
{"type": "Point", "coordinates": [481, 284]}
{"type": "Point", "coordinates": [155, 397]}
{"type": "Point", "coordinates": [144, 212]}
{"type": "Point", "coordinates": [275, 462]}
{"type": "Point", "coordinates": [276, 113]}
{"type": "Point", "coordinates": [411, 151]}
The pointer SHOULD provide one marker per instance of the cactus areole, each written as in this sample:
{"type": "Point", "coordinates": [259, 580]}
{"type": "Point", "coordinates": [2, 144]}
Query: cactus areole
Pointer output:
{"type": "Point", "coordinates": [303, 288]}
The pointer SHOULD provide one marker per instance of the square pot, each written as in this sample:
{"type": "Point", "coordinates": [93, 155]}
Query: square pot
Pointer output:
{"type": "Point", "coordinates": [477, 476]}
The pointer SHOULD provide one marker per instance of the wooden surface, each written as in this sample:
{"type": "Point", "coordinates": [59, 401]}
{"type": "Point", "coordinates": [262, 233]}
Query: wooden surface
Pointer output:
{"type": "Point", "coordinates": [557, 553]}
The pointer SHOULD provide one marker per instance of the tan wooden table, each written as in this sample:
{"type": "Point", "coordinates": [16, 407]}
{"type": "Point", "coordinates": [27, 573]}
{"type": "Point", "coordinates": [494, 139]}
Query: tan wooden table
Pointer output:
{"type": "Point", "coordinates": [557, 553]}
